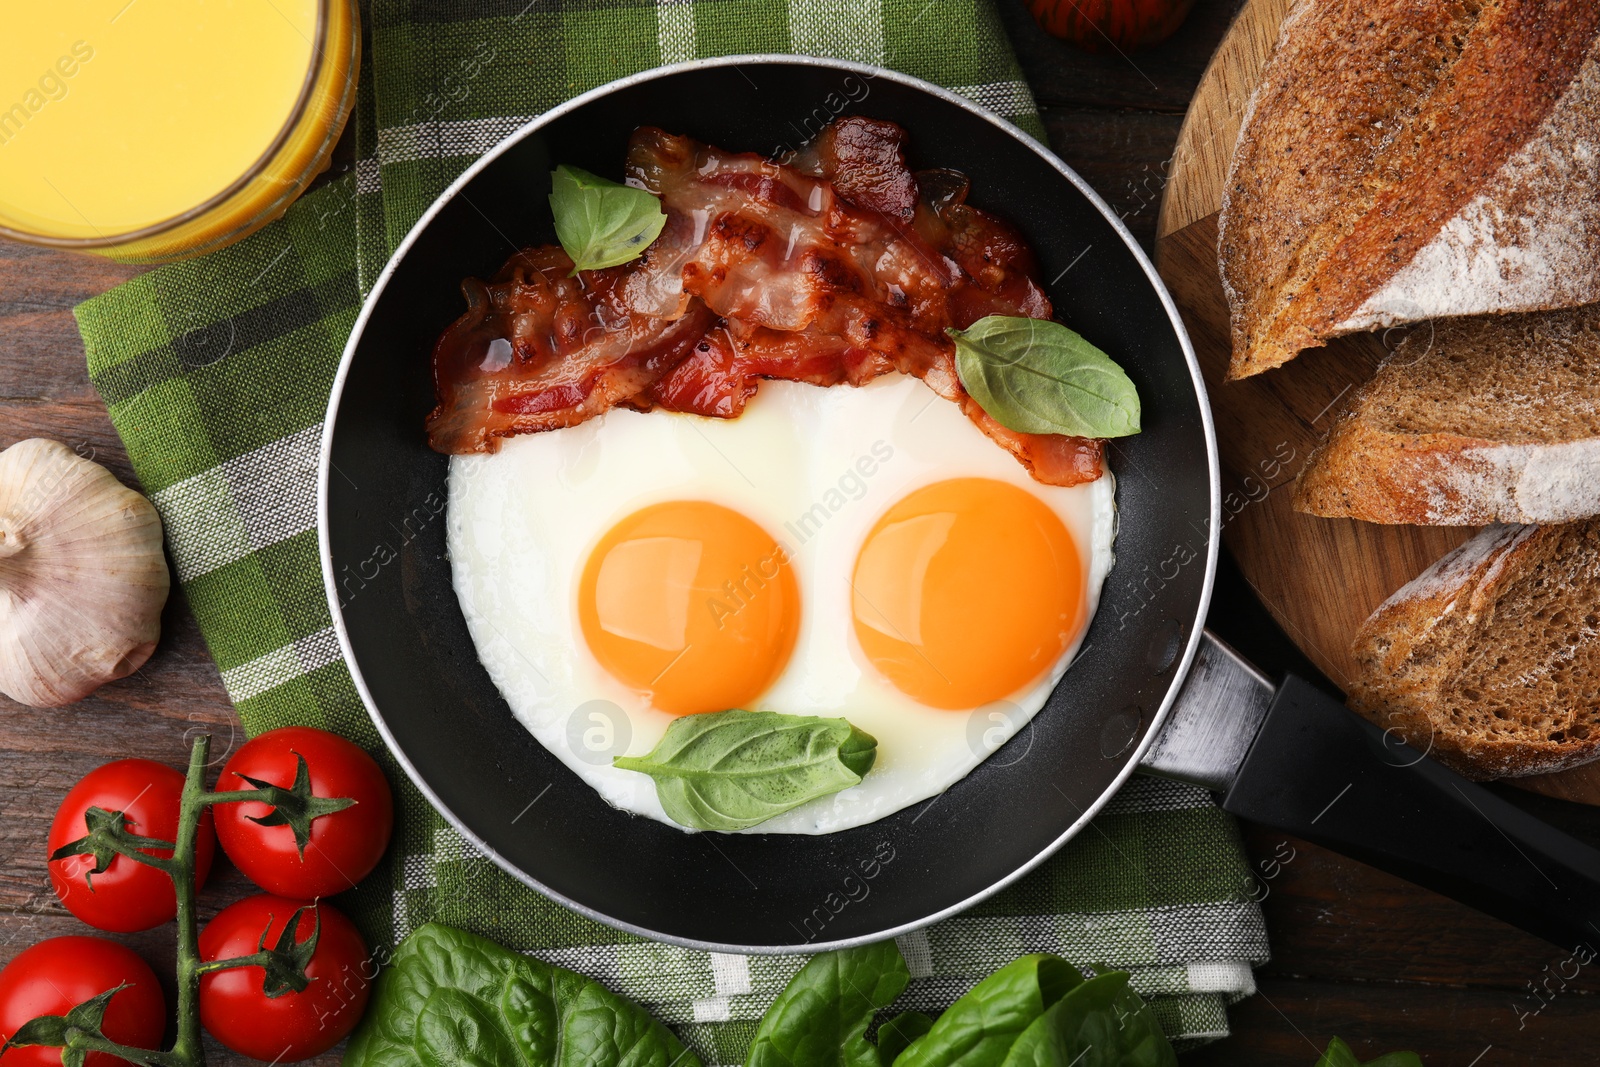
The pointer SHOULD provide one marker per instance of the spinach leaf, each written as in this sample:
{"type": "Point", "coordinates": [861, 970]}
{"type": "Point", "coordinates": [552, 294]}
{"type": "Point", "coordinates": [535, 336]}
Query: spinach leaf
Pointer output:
{"type": "Point", "coordinates": [452, 999]}
{"type": "Point", "coordinates": [1101, 1023]}
{"type": "Point", "coordinates": [980, 1028]}
{"type": "Point", "coordinates": [1340, 1054]}
{"type": "Point", "coordinates": [732, 769]}
{"type": "Point", "coordinates": [899, 1032]}
{"type": "Point", "coordinates": [599, 222]}
{"type": "Point", "coordinates": [820, 1019]}
{"type": "Point", "coordinates": [1037, 376]}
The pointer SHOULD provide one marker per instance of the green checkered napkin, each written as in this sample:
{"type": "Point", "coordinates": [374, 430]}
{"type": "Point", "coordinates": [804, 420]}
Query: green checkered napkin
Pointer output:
{"type": "Point", "coordinates": [217, 371]}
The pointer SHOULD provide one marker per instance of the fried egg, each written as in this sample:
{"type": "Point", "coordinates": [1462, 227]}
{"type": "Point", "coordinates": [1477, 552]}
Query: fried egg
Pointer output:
{"type": "Point", "coordinates": [864, 553]}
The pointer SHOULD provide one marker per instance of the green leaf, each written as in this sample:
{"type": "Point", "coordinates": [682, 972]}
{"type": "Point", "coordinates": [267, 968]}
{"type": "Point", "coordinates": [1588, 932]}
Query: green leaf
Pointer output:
{"type": "Point", "coordinates": [1037, 376]}
{"type": "Point", "coordinates": [980, 1028]}
{"type": "Point", "coordinates": [729, 770]}
{"type": "Point", "coordinates": [295, 807]}
{"type": "Point", "coordinates": [455, 1030]}
{"type": "Point", "coordinates": [601, 223]}
{"type": "Point", "coordinates": [896, 1034]}
{"type": "Point", "coordinates": [820, 1019]}
{"type": "Point", "coordinates": [1101, 1023]}
{"type": "Point", "coordinates": [452, 999]}
{"type": "Point", "coordinates": [1339, 1054]}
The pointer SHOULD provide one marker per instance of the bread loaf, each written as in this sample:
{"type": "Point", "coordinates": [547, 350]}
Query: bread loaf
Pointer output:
{"type": "Point", "coordinates": [1408, 159]}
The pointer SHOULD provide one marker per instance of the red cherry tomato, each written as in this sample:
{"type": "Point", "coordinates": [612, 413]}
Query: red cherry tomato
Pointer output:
{"type": "Point", "coordinates": [127, 895]}
{"type": "Point", "coordinates": [343, 847]}
{"type": "Point", "coordinates": [57, 975]}
{"type": "Point", "coordinates": [1110, 25]}
{"type": "Point", "coordinates": [295, 1025]}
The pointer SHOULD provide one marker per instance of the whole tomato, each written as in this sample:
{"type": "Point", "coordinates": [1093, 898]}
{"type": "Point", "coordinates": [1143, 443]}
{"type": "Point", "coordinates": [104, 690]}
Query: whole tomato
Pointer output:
{"type": "Point", "coordinates": [57, 975]}
{"type": "Point", "coordinates": [127, 895]}
{"type": "Point", "coordinates": [341, 848]}
{"type": "Point", "coordinates": [1110, 25]}
{"type": "Point", "coordinates": [291, 1026]}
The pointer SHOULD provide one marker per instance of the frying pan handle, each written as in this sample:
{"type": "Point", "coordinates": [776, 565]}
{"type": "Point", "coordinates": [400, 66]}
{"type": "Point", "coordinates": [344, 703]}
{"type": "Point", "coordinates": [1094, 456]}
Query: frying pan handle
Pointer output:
{"type": "Point", "coordinates": [1321, 773]}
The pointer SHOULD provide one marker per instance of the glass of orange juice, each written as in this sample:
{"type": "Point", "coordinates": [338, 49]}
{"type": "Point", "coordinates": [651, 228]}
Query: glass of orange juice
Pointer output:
{"type": "Point", "coordinates": [153, 130]}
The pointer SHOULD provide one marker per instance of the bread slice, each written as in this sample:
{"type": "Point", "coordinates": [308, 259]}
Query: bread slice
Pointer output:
{"type": "Point", "coordinates": [1469, 422]}
{"type": "Point", "coordinates": [1403, 160]}
{"type": "Point", "coordinates": [1490, 659]}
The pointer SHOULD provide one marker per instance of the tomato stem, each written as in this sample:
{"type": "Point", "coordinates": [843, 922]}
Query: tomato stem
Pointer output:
{"type": "Point", "coordinates": [187, 1050]}
{"type": "Point", "coordinates": [92, 1042]}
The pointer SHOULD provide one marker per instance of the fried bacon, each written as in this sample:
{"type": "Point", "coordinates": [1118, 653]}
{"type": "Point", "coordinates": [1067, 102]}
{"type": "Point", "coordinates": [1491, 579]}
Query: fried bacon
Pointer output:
{"type": "Point", "coordinates": [833, 269]}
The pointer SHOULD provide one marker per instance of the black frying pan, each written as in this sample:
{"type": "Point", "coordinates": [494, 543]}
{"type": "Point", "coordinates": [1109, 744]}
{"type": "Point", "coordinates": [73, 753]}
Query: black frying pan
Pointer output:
{"type": "Point", "coordinates": [412, 658]}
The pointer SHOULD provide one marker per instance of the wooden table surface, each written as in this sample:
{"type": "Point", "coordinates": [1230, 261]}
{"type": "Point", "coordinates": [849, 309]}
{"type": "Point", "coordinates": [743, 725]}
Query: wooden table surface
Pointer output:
{"type": "Point", "coordinates": [1355, 953]}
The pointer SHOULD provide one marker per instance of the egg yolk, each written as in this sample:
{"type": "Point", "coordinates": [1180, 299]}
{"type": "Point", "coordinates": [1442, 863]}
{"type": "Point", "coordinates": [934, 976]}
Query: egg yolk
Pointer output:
{"type": "Point", "coordinates": [966, 591]}
{"type": "Point", "coordinates": [692, 604]}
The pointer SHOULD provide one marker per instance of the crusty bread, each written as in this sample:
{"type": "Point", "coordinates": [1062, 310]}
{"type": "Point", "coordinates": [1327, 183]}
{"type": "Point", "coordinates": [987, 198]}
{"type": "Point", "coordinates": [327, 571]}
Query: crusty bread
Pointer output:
{"type": "Point", "coordinates": [1469, 422]}
{"type": "Point", "coordinates": [1408, 159]}
{"type": "Point", "coordinates": [1490, 659]}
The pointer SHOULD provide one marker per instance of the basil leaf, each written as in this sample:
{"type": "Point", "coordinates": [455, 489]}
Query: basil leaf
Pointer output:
{"type": "Point", "coordinates": [452, 999]}
{"type": "Point", "coordinates": [729, 770]}
{"type": "Point", "coordinates": [1037, 376]}
{"type": "Point", "coordinates": [980, 1028]}
{"type": "Point", "coordinates": [820, 1019]}
{"type": "Point", "coordinates": [1340, 1054]}
{"type": "Point", "coordinates": [1101, 1023]}
{"type": "Point", "coordinates": [896, 1034]}
{"type": "Point", "coordinates": [599, 222]}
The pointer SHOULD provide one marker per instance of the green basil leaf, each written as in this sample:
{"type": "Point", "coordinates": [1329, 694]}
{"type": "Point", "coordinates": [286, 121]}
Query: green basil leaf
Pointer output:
{"type": "Point", "coordinates": [895, 1035]}
{"type": "Point", "coordinates": [599, 222]}
{"type": "Point", "coordinates": [820, 1019]}
{"type": "Point", "coordinates": [452, 998]}
{"type": "Point", "coordinates": [729, 770]}
{"type": "Point", "coordinates": [980, 1028]}
{"type": "Point", "coordinates": [1101, 1023]}
{"type": "Point", "coordinates": [1037, 376]}
{"type": "Point", "coordinates": [1339, 1054]}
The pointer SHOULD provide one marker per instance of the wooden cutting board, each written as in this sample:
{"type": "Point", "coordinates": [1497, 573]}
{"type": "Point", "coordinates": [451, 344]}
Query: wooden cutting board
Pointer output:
{"type": "Point", "coordinates": [1320, 578]}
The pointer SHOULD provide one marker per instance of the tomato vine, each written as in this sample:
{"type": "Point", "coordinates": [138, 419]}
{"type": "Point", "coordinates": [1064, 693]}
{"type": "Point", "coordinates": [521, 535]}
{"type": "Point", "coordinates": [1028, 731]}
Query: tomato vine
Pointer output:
{"type": "Point", "coordinates": [79, 1032]}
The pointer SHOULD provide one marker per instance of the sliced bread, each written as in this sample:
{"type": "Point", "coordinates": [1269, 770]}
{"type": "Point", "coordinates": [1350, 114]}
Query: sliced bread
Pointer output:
{"type": "Point", "coordinates": [1490, 659]}
{"type": "Point", "coordinates": [1469, 422]}
{"type": "Point", "coordinates": [1403, 160]}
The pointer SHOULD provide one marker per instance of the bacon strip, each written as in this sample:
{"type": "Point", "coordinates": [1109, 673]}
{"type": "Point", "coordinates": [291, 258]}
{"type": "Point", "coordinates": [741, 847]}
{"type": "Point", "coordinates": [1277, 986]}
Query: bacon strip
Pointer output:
{"type": "Point", "coordinates": [835, 269]}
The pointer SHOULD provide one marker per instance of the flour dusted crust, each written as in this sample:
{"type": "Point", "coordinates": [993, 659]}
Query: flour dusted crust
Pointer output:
{"type": "Point", "coordinates": [1409, 158]}
{"type": "Point", "coordinates": [1530, 240]}
{"type": "Point", "coordinates": [1470, 422]}
{"type": "Point", "coordinates": [1490, 659]}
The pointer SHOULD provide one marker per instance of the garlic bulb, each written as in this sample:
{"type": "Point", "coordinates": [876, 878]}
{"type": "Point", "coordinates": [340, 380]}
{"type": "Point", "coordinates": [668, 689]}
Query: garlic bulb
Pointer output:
{"type": "Point", "coordinates": [82, 577]}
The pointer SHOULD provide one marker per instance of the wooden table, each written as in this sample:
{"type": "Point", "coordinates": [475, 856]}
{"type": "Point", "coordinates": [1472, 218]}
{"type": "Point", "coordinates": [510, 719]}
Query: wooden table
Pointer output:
{"type": "Point", "coordinates": [1355, 953]}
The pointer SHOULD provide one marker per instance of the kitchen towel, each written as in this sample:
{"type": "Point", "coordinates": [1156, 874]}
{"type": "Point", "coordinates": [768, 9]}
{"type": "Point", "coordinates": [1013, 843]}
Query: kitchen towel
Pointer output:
{"type": "Point", "coordinates": [216, 372]}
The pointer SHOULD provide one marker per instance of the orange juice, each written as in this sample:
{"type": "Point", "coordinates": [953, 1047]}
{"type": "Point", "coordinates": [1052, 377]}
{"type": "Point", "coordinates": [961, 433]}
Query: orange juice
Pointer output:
{"type": "Point", "coordinates": [150, 130]}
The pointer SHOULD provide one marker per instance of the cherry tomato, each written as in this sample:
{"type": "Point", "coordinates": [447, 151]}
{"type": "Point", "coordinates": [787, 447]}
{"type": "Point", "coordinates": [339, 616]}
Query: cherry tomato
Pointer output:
{"type": "Point", "coordinates": [343, 846]}
{"type": "Point", "coordinates": [57, 975]}
{"type": "Point", "coordinates": [127, 895]}
{"type": "Point", "coordinates": [295, 1025]}
{"type": "Point", "coordinates": [1106, 25]}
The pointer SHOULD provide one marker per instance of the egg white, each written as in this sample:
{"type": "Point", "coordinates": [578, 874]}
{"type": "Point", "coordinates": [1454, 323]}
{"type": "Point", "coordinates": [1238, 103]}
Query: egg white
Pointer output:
{"type": "Point", "coordinates": [816, 468]}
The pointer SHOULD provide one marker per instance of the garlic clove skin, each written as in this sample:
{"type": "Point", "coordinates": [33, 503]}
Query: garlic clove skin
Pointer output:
{"type": "Point", "coordinates": [82, 575]}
